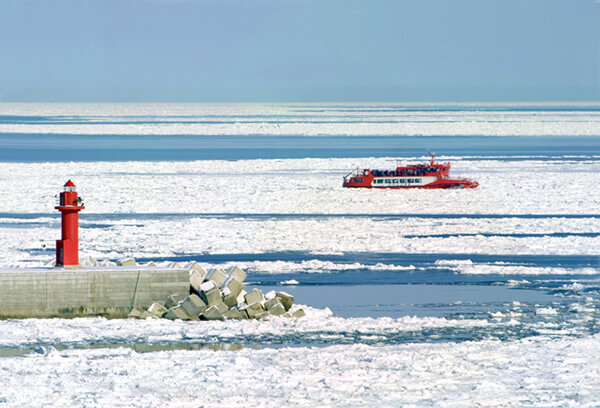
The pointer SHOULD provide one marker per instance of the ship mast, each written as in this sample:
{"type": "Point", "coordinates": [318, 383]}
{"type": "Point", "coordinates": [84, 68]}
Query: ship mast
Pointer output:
{"type": "Point", "coordinates": [432, 158]}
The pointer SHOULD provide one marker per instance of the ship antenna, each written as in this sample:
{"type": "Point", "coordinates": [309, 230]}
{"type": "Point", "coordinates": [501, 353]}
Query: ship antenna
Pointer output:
{"type": "Point", "coordinates": [432, 157]}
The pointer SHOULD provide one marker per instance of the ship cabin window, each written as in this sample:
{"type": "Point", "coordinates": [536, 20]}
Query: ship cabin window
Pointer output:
{"type": "Point", "coordinates": [357, 180]}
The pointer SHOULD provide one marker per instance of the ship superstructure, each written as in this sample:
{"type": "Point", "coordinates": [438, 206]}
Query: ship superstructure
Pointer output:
{"type": "Point", "coordinates": [425, 175]}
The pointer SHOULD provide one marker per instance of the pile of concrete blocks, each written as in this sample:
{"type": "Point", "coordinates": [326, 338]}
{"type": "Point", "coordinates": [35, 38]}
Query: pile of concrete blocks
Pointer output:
{"type": "Point", "coordinates": [124, 262]}
{"type": "Point", "coordinates": [220, 295]}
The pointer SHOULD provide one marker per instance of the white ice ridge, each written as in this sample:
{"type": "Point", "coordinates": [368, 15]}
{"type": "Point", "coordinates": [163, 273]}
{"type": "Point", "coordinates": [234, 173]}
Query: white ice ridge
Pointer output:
{"type": "Point", "coordinates": [463, 267]}
{"type": "Point", "coordinates": [160, 238]}
{"type": "Point", "coordinates": [300, 119]}
{"type": "Point", "coordinates": [318, 322]}
{"type": "Point", "coordinates": [308, 266]}
{"type": "Point", "coordinates": [501, 268]}
{"type": "Point", "coordinates": [534, 372]}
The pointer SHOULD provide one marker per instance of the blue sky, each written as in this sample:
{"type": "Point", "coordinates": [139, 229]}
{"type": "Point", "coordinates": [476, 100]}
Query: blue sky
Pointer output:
{"type": "Point", "coordinates": [299, 50]}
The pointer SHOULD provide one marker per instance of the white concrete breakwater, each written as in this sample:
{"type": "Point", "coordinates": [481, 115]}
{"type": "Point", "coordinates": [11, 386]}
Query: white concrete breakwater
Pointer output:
{"type": "Point", "coordinates": [109, 291]}
{"type": "Point", "coordinates": [122, 289]}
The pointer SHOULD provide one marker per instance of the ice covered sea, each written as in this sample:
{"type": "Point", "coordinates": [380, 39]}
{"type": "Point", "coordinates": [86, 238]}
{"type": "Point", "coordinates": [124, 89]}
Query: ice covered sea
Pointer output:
{"type": "Point", "coordinates": [485, 297]}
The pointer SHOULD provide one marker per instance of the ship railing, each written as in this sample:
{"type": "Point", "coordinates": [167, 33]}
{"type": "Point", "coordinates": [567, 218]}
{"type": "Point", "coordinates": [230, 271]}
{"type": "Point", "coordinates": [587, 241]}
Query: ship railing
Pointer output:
{"type": "Point", "coordinates": [356, 173]}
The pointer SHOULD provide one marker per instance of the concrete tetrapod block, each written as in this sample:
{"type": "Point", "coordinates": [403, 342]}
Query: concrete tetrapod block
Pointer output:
{"type": "Point", "coordinates": [196, 279]}
{"type": "Point", "coordinates": [126, 262]}
{"type": "Point", "coordinates": [299, 313]}
{"type": "Point", "coordinates": [233, 314]}
{"type": "Point", "coordinates": [146, 314]}
{"type": "Point", "coordinates": [106, 262]}
{"type": "Point", "coordinates": [193, 305]}
{"type": "Point", "coordinates": [272, 302]}
{"type": "Point", "coordinates": [206, 286]}
{"type": "Point", "coordinates": [241, 299]}
{"type": "Point", "coordinates": [157, 309]}
{"type": "Point", "coordinates": [89, 261]}
{"type": "Point", "coordinates": [221, 307]}
{"type": "Point", "coordinates": [209, 292]}
{"type": "Point", "coordinates": [134, 314]}
{"type": "Point", "coordinates": [177, 312]}
{"type": "Point", "coordinates": [212, 313]}
{"type": "Point", "coordinates": [238, 274]}
{"type": "Point", "coordinates": [270, 295]}
{"type": "Point", "coordinates": [229, 298]}
{"type": "Point", "coordinates": [286, 299]}
{"type": "Point", "coordinates": [194, 266]}
{"type": "Point", "coordinates": [216, 275]}
{"type": "Point", "coordinates": [51, 263]}
{"type": "Point", "coordinates": [253, 296]}
{"type": "Point", "coordinates": [261, 315]}
{"type": "Point", "coordinates": [173, 300]}
{"type": "Point", "coordinates": [254, 309]}
{"type": "Point", "coordinates": [277, 309]}
{"type": "Point", "coordinates": [233, 285]}
{"type": "Point", "coordinates": [212, 296]}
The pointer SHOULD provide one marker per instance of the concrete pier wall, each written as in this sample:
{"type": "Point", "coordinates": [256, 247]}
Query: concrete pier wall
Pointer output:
{"type": "Point", "coordinates": [93, 291]}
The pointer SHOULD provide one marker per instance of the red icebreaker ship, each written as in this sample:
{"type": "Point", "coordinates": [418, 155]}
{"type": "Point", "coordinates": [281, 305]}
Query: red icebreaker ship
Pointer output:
{"type": "Point", "coordinates": [427, 175]}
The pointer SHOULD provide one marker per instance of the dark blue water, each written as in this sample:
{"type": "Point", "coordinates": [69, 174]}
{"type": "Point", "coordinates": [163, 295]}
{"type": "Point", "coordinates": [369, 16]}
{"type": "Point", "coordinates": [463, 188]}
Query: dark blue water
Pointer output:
{"type": "Point", "coordinates": [396, 300]}
{"type": "Point", "coordinates": [150, 145]}
{"type": "Point", "coordinates": [89, 148]}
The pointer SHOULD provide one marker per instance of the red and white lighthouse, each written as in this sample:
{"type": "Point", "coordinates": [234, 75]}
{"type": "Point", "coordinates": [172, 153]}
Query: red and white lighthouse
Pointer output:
{"type": "Point", "coordinates": [67, 248]}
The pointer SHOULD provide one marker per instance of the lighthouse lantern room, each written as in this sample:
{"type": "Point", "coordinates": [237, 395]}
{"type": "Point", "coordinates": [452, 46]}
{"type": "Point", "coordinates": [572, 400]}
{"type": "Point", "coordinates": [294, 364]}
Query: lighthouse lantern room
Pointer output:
{"type": "Point", "coordinates": [67, 248]}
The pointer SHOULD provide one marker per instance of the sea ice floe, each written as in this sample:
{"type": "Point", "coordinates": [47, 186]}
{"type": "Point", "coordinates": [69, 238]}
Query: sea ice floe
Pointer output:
{"type": "Point", "coordinates": [546, 311]}
{"type": "Point", "coordinates": [289, 282]}
{"type": "Point", "coordinates": [307, 119]}
{"type": "Point", "coordinates": [262, 209]}
{"type": "Point", "coordinates": [318, 322]}
{"type": "Point", "coordinates": [575, 286]}
{"type": "Point", "coordinates": [308, 186]}
{"type": "Point", "coordinates": [157, 237]}
{"type": "Point", "coordinates": [491, 269]}
{"type": "Point", "coordinates": [533, 372]}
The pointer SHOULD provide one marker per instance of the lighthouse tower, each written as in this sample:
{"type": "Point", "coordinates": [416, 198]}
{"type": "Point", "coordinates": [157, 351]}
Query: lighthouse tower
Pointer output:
{"type": "Point", "coordinates": [67, 248]}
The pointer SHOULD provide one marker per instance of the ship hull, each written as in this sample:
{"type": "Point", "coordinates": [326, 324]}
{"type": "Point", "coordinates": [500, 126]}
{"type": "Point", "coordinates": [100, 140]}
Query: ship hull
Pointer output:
{"type": "Point", "coordinates": [429, 175]}
{"type": "Point", "coordinates": [428, 182]}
